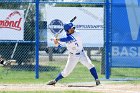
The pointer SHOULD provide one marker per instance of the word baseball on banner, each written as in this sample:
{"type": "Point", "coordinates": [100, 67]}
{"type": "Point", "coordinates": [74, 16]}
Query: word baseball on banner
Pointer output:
{"type": "Point", "coordinates": [126, 34]}
{"type": "Point", "coordinates": [12, 24]}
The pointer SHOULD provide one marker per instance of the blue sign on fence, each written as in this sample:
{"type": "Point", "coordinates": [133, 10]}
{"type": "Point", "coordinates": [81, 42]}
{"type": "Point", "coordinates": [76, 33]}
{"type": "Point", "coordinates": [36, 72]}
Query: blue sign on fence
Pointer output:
{"type": "Point", "coordinates": [126, 33]}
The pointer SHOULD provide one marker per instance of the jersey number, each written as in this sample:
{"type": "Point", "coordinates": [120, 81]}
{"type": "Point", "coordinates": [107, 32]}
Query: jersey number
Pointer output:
{"type": "Point", "coordinates": [76, 44]}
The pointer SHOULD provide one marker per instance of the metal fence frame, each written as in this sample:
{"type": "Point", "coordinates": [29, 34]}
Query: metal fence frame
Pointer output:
{"type": "Point", "coordinates": [107, 33]}
{"type": "Point", "coordinates": [106, 3]}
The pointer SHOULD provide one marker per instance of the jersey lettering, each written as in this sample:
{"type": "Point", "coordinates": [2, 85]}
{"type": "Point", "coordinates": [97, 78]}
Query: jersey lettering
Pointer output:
{"type": "Point", "coordinates": [75, 45]}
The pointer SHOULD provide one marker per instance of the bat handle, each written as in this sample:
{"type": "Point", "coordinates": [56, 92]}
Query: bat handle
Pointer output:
{"type": "Point", "coordinates": [51, 39]}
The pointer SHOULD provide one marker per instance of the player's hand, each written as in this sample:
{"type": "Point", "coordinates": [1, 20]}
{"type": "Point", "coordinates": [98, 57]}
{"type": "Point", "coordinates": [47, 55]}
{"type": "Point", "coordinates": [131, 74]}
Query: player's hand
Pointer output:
{"type": "Point", "coordinates": [56, 41]}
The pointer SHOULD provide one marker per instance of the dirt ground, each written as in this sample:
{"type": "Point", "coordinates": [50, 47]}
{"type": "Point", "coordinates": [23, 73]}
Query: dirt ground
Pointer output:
{"type": "Point", "coordinates": [103, 88]}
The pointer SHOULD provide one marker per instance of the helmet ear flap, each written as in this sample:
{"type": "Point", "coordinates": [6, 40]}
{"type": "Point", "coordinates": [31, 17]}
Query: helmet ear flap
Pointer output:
{"type": "Point", "coordinates": [66, 31]}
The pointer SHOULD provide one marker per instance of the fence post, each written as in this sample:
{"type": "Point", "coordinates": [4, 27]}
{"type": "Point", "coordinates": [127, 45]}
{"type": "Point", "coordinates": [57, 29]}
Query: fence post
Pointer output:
{"type": "Point", "coordinates": [107, 44]}
{"type": "Point", "coordinates": [103, 61]}
{"type": "Point", "coordinates": [37, 40]}
{"type": "Point", "coordinates": [50, 53]}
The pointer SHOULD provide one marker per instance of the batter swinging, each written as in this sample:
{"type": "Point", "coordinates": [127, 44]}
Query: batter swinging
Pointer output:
{"type": "Point", "coordinates": [76, 54]}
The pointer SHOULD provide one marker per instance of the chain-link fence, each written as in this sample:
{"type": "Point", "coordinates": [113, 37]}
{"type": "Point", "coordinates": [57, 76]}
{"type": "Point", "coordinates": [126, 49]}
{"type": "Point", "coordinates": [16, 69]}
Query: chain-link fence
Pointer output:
{"type": "Point", "coordinates": [57, 14]}
{"type": "Point", "coordinates": [52, 60]}
{"type": "Point", "coordinates": [17, 39]}
{"type": "Point", "coordinates": [96, 22]}
{"type": "Point", "coordinates": [125, 39]}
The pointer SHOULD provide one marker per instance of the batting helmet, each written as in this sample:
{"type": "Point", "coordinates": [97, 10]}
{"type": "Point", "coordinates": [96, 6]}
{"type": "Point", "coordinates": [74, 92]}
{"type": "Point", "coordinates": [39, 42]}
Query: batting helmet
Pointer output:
{"type": "Point", "coordinates": [68, 26]}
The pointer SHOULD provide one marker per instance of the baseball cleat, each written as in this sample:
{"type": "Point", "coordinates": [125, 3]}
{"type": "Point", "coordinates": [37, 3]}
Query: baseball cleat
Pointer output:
{"type": "Point", "coordinates": [52, 82]}
{"type": "Point", "coordinates": [98, 82]}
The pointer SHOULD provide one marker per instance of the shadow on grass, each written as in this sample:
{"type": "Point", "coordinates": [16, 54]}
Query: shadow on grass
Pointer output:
{"type": "Point", "coordinates": [32, 68]}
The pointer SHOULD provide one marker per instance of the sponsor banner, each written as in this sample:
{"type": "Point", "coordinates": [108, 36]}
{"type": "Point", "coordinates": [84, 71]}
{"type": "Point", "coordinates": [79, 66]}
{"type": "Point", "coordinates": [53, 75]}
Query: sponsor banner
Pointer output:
{"type": "Point", "coordinates": [126, 56]}
{"type": "Point", "coordinates": [126, 34]}
{"type": "Point", "coordinates": [90, 23]}
{"type": "Point", "coordinates": [11, 24]}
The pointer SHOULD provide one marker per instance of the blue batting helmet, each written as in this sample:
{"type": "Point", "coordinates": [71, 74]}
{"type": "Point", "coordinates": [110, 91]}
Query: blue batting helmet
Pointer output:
{"type": "Point", "coordinates": [68, 26]}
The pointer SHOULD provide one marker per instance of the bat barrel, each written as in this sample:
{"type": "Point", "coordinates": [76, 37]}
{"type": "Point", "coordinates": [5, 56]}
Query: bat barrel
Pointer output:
{"type": "Point", "coordinates": [73, 19]}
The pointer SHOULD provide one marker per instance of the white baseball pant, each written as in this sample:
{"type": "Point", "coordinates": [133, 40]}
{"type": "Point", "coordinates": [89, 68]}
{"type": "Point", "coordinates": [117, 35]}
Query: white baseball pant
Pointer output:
{"type": "Point", "coordinates": [73, 59]}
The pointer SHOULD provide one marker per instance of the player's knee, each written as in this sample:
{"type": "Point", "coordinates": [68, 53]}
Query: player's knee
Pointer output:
{"type": "Point", "coordinates": [90, 66]}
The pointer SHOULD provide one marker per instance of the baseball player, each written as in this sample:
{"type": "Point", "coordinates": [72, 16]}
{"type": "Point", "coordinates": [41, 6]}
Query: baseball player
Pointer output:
{"type": "Point", "coordinates": [76, 54]}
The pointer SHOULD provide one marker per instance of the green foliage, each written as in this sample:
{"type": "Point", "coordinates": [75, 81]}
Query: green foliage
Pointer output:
{"type": "Point", "coordinates": [78, 5]}
{"type": "Point", "coordinates": [7, 5]}
{"type": "Point", "coordinates": [68, 5]}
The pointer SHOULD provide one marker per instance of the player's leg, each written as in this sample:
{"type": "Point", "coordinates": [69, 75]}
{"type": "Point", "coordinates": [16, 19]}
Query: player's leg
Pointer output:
{"type": "Point", "coordinates": [87, 62]}
{"type": "Point", "coordinates": [84, 59]}
{"type": "Point", "coordinates": [53, 82]}
{"type": "Point", "coordinates": [71, 63]}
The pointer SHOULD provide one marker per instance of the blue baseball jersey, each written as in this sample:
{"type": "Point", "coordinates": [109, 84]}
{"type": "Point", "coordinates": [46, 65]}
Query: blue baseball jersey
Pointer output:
{"type": "Point", "coordinates": [73, 42]}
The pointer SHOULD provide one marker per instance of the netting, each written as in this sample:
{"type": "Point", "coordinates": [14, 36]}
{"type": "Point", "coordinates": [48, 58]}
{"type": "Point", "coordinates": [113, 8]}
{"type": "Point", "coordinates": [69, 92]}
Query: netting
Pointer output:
{"type": "Point", "coordinates": [55, 59]}
{"type": "Point", "coordinates": [18, 44]}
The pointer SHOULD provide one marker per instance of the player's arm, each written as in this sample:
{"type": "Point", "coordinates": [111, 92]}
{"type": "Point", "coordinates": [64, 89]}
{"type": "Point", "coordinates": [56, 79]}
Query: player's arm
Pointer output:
{"type": "Point", "coordinates": [65, 39]}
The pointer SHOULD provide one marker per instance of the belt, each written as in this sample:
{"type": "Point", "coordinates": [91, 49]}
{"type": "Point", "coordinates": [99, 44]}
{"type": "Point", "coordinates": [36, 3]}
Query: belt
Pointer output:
{"type": "Point", "coordinates": [76, 53]}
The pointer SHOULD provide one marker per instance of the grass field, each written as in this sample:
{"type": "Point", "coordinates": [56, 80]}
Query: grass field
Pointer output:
{"type": "Point", "coordinates": [80, 74]}
{"type": "Point", "coordinates": [23, 79]}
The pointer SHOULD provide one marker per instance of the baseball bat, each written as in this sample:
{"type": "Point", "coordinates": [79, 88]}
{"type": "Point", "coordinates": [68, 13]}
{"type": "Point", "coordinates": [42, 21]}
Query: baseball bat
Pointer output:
{"type": "Point", "coordinates": [73, 19]}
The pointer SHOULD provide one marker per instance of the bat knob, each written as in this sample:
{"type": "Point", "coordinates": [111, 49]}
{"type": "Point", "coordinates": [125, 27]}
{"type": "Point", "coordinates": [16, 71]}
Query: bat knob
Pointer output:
{"type": "Point", "coordinates": [51, 39]}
